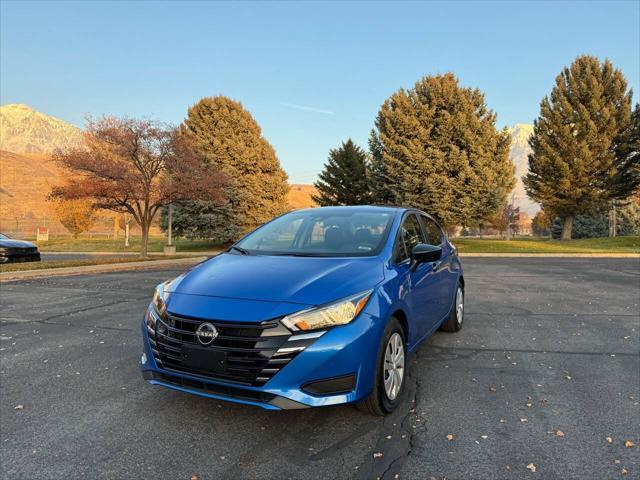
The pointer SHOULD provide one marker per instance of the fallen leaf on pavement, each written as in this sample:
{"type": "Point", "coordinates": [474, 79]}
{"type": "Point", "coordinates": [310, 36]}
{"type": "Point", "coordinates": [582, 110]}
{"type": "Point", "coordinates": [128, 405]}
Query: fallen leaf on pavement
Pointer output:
{"type": "Point", "coordinates": [493, 390]}
{"type": "Point", "coordinates": [449, 437]}
{"type": "Point", "coordinates": [628, 444]}
{"type": "Point", "coordinates": [531, 467]}
{"type": "Point", "coordinates": [195, 477]}
{"type": "Point", "coordinates": [623, 471]}
{"type": "Point", "coordinates": [609, 440]}
{"type": "Point", "coordinates": [18, 407]}
{"type": "Point", "coordinates": [377, 455]}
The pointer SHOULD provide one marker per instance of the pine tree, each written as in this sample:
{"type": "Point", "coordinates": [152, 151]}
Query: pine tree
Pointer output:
{"type": "Point", "coordinates": [380, 187]}
{"type": "Point", "coordinates": [344, 178]}
{"type": "Point", "coordinates": [573, 165]}
{"type": "Point", "coordinates": [626, 179]}
{"type": "Point", "coordinates": [231, 140]}
{"type": "Point", "coordinates": [441, 152]}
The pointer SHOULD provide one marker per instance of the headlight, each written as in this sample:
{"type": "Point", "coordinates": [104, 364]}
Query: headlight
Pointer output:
{"type": "Point", "coordinates": [338, 313]}
{"type": "Point", "coordinates": [157, 310]}
{"type": "Point", "coordinates": [158, 301]}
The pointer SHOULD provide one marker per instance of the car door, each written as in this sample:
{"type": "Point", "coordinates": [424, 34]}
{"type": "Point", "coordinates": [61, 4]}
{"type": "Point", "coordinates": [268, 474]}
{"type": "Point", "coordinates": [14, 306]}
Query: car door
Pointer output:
{"type": "Point", "coordinates": [445, 279]}
{"type": "Point", "coordinates": [418, 283]}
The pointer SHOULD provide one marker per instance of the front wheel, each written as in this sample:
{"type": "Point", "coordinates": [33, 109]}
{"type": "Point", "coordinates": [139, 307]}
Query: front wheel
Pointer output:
{"type": "Point", "coordinates": [454, 322]}
{"type": "Point", "coordinates": [390, 372]}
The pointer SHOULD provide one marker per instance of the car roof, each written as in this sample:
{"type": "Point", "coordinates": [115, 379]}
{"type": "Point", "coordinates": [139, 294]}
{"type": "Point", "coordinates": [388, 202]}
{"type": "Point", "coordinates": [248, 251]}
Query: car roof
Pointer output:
{"type": "Point", "coordinates": [358, 208]}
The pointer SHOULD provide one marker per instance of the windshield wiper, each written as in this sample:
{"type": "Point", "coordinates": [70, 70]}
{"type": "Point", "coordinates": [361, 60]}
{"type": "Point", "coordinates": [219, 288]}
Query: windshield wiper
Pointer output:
{"type": "Point", "coordinates": [239, 249]}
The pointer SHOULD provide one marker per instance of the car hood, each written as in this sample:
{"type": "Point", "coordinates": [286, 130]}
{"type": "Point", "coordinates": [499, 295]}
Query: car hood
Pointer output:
{"type": "Point", "coordinates": [9, 243]}
{"type": "Point", "coordinates": [292, 280]}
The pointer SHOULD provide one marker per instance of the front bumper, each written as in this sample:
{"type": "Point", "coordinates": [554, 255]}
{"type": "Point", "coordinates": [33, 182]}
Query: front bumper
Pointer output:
{"type": "Point", "coordinates": [15, 257]}
{"type": "Point", "coordinates": [342, 356]}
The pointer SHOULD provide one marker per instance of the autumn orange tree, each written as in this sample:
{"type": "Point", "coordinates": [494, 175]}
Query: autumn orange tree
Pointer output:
{"type": "Point", "coordinates": [77, 216]}
{"type": "Point", "coordinates": [505, 219]}
{"type": "Point", "coordinates": [136, 166]}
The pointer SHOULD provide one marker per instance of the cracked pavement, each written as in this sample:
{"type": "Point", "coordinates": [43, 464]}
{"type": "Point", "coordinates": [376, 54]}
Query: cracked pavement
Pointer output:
{"type": "Point", "coordinates": [548, 344]}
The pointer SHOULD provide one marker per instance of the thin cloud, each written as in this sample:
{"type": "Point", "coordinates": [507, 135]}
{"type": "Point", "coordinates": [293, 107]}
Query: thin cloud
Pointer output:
{"type": "Point", "coordinates": [308, 109]}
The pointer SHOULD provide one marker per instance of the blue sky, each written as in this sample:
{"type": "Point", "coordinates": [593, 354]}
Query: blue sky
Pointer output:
{"type": "Point", "coordinates": [312, 73]}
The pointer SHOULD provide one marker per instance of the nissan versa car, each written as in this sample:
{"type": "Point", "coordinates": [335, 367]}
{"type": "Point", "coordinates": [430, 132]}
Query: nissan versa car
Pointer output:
{"type": "Point", "coordinates": [317, 307]}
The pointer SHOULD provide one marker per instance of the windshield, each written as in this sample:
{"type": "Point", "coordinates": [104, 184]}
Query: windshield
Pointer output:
{"type": "Point", "coordinates": [321, 233]}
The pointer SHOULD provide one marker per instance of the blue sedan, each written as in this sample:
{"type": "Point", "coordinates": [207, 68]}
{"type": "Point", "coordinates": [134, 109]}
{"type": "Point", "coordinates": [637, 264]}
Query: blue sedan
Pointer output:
{"type": "Point", "coordinates": [317, 307]}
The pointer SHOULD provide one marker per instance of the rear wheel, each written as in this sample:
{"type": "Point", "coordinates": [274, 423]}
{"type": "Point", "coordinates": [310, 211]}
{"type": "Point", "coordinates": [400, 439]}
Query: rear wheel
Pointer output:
{"type": "Point", "coordinates": [390, 372]}
{"type": "Point", "coordinates": [456, 316]}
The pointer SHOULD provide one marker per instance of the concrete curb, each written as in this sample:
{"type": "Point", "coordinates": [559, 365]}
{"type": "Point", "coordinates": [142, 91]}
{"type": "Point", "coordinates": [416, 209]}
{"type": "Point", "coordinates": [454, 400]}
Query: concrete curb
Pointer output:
{"type": "Point", "coordinates": [212, 253]}
{"type": "Point", "coordinates": [207, 253]}
{"type": "Point", "coordinates": [553, 255]}
{"type": "Point", "coordinates": [108, 267]}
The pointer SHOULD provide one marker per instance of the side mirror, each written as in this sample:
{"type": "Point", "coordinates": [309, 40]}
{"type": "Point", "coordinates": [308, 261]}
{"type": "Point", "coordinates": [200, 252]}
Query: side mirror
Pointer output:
{"type": "Point", "coordinates": [424, 253]}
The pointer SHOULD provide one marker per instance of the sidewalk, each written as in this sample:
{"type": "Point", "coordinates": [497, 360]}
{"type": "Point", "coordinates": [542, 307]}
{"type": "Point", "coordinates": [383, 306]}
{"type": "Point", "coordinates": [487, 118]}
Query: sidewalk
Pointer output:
{"type": "Point", "coordinates": [109, 267]}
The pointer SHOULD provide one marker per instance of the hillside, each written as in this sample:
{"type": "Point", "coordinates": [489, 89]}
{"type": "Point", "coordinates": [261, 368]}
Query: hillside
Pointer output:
{"type": "Point", "coordinates": [24, 130]}
{"type": "Point", "coordinates": [519, 153]}
{"type": "Point", "coordinates": [300, 196]}
{"type": "Point", "coordinates": [25, 182]}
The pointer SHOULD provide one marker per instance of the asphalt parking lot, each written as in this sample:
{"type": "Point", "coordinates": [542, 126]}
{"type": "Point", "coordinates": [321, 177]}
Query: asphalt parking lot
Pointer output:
{"type": "Point", "coordinates": [545, 372]}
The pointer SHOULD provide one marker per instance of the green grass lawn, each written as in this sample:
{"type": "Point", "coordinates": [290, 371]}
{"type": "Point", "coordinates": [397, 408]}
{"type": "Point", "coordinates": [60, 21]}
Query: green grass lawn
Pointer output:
{"type": "Point", "coordinates": [97, 244]}
{"type": "Point", "coordinates": [21, 267]}
{"type": "Point", "coordinates": [546, 245]}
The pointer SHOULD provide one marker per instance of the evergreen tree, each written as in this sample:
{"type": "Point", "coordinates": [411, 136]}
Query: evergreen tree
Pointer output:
{"type": "Point", "coordinates": [380, 187]}
{"type": "Point", "coordinates": [573, 165]}
{"type": "Point", "coordinates": [230, 139]}
{"type": "Point", "coordinates": [626, 179]}
{"type": "Point", "coordinates": [441, 151]}
{"type": "Point", "coordinates": [344, 178]}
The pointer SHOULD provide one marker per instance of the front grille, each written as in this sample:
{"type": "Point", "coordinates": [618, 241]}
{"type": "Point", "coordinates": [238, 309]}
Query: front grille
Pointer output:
{"type": "Point", "coordinates": [255, 351]}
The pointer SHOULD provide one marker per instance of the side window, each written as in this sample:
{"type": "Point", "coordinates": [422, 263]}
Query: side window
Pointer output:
{"type": "Point", "coordinates": [410, 236]}
{"type": "Point", "coordinates": [432, 230]}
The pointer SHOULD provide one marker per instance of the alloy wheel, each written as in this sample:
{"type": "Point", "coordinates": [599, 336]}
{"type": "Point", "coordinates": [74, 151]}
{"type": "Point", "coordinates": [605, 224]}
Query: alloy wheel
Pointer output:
{"type": "Point", "coordinates": [393, 366]}
{"type": "Point", "coordinates": [459, 305]}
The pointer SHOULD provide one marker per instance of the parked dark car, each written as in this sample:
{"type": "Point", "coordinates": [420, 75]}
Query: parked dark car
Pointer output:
{"type": "Point", "coordinates": [17, 250]}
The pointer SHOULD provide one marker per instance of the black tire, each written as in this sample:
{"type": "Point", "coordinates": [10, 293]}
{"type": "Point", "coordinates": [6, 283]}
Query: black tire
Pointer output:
{"type": "Point", "coordinates": [378, 403]}
{"type": "Point", "coordinates": [453, 323]}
